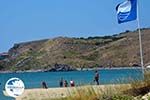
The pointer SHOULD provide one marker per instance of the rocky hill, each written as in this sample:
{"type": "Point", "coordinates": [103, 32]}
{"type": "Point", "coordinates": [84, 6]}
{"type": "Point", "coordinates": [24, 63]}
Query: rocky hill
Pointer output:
{"type": "Point", "coordinates": [120, 50]}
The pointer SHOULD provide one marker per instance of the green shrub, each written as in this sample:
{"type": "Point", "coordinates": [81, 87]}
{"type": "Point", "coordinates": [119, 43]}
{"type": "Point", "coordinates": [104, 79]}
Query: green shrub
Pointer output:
{"type": "Point", "coordinates": [148, 98]}
{"type": "Point", "coordinates": [122, 97]}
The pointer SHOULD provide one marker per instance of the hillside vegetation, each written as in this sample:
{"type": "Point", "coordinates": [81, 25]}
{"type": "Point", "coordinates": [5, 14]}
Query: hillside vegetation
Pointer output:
{"type": "Point", "coordinates": [121, 50]}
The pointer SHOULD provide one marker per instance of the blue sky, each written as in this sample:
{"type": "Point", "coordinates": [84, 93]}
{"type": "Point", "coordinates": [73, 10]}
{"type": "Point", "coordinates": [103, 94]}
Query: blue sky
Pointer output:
{"type": "Point", "coordinates": [26, 20]}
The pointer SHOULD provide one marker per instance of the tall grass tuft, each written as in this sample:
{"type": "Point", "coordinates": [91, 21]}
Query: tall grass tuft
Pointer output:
{"type": "Point", "coordinates": [140, 87]}
{"type": "Point", "coordinates": [97, 93]}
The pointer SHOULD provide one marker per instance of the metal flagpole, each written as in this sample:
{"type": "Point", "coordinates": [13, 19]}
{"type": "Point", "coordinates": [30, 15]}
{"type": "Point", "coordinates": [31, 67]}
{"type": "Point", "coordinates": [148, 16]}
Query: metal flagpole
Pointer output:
{"type": "Point", "coordinates": [140, 39]}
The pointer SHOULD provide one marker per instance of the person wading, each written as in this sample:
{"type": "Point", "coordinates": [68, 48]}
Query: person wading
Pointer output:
{"type": "Point", "coordinates": [44, 85]}
{"type": "Point", "coordinates": [96, 77]}
{"type": "Point", "coordinates": [61, 82]}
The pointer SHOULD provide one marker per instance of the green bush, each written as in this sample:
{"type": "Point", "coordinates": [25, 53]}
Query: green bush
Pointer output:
{"type": "Point", "coordinates": [122, 97]}
{"type": "Point", "coordinates": [148, 98]}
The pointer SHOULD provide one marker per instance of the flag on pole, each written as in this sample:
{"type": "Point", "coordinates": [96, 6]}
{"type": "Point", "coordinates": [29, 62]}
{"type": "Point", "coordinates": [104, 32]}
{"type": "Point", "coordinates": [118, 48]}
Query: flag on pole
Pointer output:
{"type": "Point", "coordinates": [126, 11]}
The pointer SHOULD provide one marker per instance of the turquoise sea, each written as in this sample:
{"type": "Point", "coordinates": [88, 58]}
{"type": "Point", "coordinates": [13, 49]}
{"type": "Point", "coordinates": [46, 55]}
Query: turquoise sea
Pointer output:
{"type": "Point", "coordinates": [34, 79]}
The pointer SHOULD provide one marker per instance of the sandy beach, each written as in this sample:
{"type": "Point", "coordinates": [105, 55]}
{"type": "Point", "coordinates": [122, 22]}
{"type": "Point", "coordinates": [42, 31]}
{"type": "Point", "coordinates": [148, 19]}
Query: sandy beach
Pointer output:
{"type": "Point", "coordinates": [52, 93]}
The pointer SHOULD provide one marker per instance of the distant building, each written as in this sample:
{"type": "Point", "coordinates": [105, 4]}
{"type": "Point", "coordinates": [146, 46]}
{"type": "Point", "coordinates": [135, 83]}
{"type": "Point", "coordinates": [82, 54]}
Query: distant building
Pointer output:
{"type": "Point", "coordinates": [4, 55]}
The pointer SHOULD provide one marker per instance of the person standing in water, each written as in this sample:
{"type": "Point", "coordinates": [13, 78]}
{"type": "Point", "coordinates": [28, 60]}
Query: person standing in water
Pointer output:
{"type": "Point", "coordinates": [65, 83]}
{"type": "Point", "coordinates": [96, 77]}
{"type": "Point", "coordinates": [72, 84]}
{"type": "Point", "coordinates": [44, 85]}
{"type": "Point", "coordinates": [61, 82]}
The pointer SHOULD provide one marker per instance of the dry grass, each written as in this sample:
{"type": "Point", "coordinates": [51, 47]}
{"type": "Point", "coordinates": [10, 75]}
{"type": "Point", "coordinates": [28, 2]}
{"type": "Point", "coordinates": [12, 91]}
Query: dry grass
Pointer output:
{"type": "Point", "coordinates": [101, 92]}
{"type": "Point", "coordinates": [113, 92]}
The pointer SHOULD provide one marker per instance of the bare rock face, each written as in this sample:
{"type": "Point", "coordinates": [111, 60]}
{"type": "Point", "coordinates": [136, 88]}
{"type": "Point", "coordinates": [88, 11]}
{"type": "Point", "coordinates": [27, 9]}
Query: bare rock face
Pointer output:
{"type": "Point", "coordinates": [61, 67]}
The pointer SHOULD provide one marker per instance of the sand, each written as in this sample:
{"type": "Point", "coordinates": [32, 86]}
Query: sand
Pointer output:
{"type": "Point", "coordinates": [51, 93]}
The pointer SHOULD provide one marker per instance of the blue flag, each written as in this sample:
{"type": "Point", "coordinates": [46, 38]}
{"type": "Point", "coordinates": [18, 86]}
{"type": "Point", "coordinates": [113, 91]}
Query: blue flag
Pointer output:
{"type": "Point", "coordinates": [127, 11]}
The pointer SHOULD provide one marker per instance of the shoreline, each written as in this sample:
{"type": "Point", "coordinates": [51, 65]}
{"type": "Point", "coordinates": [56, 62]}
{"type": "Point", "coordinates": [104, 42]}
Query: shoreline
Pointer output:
{"type": "Point", "coordinates": [116, 68]}
{"type": "Point", "coordinates": [77, 69]}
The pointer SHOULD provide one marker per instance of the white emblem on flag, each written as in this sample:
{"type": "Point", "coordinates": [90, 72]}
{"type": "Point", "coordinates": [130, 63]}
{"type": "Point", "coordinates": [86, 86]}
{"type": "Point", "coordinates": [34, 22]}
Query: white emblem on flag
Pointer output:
{"type": "Point", "coordinates": [124, 10]}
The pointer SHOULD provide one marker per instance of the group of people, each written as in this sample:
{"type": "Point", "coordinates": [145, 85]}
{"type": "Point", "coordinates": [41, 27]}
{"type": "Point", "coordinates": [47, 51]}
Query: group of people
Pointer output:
{"type": "Point", "coordinates": [64, 83]}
